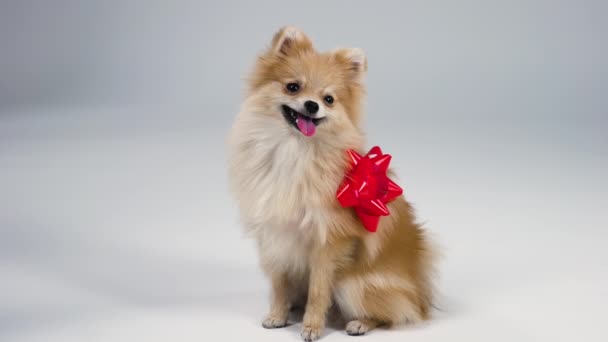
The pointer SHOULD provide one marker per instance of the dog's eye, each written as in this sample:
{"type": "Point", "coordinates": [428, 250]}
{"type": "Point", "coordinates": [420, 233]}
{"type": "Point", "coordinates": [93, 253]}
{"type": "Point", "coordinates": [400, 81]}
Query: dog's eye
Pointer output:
{"type": "Point", "coordinates": [292, 87]}
{"type": "Point", "coordinates": [329, 99]}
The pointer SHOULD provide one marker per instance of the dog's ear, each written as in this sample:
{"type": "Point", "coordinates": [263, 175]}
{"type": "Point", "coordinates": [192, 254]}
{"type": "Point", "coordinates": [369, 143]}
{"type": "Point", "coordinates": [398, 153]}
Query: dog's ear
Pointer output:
{"type": "Point", "coordinates": [290, 40]}
{"type": "Point", "coordinates": [355, 61]}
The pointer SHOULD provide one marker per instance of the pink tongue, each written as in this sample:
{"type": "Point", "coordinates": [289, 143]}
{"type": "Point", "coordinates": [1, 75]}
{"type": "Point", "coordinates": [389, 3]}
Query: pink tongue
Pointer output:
{"type": "Point", "coordinates": [306, 126]}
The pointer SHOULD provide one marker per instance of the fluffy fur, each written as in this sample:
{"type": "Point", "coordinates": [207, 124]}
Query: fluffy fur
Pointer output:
{"type": "Point", "coordinates": [314, 251]}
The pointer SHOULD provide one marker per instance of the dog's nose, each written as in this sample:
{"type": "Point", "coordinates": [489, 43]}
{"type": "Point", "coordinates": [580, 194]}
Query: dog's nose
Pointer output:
{"type": "Point", "coordinates": [312, 107]}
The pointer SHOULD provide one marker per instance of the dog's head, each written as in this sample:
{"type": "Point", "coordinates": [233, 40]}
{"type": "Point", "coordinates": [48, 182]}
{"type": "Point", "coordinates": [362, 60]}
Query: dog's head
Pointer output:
{"type": "Point", "coordinates": [307, 91]}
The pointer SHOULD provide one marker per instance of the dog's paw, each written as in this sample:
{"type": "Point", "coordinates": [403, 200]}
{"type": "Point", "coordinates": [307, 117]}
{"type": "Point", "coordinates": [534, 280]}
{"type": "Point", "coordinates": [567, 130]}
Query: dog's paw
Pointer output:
{"type": "Point", "coordinates": [357, 328]}
{"type": "Point", "coordinates": [311, 333]}
{"type": "Point", "coordinates": [273, 322]}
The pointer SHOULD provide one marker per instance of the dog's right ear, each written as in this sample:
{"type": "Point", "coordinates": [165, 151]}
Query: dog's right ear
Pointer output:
{"type": "Point", "coordinates": [290, 40]}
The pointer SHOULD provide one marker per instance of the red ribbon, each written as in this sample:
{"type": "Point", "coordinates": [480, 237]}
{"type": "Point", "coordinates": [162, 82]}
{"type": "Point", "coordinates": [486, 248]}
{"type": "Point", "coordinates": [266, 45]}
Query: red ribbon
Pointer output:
{"type": "Point", "coordinates": [367, 188]}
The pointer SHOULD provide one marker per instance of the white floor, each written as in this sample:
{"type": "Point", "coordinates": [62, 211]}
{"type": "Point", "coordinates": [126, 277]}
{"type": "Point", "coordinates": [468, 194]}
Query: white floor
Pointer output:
{"type": "Point", "coordinates": [115, 229]}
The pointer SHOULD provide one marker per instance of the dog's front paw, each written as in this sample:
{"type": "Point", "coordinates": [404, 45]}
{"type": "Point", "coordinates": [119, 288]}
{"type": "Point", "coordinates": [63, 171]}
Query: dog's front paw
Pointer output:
{"type": "Point", "coordinates": [311, 333]}
{"type": "Point", "coordinates": [272, 322]}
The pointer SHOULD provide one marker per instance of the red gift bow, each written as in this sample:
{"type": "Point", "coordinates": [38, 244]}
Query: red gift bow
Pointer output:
{"type": "Point", "coordinates": [367, 188]}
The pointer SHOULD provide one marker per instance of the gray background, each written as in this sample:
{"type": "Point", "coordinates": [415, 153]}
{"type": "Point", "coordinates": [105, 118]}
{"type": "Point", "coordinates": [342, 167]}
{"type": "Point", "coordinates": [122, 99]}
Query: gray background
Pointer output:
{"type": "Point", "coordinates": [115, 221]}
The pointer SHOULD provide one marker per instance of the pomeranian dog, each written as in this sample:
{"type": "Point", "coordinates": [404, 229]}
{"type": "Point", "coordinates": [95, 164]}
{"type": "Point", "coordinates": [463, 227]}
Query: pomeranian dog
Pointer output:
{"type": "Point", "coordinates": [288, 146]}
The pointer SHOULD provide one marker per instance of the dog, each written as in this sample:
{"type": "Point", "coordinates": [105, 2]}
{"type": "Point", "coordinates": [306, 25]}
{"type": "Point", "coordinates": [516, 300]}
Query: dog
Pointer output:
{"type": "Point", "coordinates": [287, 157]}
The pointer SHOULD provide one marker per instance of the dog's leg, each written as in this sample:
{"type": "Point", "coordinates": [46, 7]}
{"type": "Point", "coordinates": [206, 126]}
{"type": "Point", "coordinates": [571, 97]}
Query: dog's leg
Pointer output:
{"type": "Point", "coordinates": [279, 307]}
{"type": "Point", "coordinates": [319, 293]}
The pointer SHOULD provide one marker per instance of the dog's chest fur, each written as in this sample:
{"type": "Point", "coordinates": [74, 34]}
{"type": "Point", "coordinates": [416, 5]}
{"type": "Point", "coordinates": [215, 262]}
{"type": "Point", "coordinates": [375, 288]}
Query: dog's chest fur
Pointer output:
{"type": "Point", "coordinates": [285, 186]}
{"type": "Point", "coordinates": [285, 183]}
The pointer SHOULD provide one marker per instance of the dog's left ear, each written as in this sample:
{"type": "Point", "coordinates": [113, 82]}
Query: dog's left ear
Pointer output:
{"type": "Point", "coordinates": [289, 40]}
{"type": "Point", "coordinates": [355, 61]}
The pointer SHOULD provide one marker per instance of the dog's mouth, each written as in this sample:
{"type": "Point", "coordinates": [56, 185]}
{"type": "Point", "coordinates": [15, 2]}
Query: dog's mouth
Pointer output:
{"type": "Point", "coordinates": [302, 122]}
